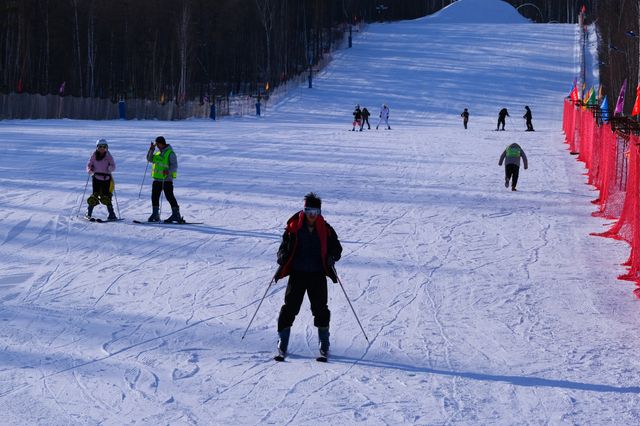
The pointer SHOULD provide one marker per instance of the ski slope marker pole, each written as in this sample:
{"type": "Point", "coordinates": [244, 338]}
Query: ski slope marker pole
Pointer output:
{"type": "Point", "coordinates": [259, 304]}
{"type": "Point", "coordinates": [347, 297]}
{"type": "Point", "coordinates": [83, 192]}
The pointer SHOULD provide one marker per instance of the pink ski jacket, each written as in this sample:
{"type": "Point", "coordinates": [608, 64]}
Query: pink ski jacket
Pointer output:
{"type": "Point", "coordinates": [101, 169]}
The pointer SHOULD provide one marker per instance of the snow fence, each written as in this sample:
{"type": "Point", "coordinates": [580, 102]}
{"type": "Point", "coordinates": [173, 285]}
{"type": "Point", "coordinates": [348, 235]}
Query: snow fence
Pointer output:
{"type": "Point", "coordinates": [611, 154]}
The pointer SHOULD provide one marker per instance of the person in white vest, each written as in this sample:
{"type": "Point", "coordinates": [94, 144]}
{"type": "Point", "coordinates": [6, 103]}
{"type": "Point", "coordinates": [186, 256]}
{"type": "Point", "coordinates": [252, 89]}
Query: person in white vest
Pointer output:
{"type": "Point", "coordinates": [384, 116]}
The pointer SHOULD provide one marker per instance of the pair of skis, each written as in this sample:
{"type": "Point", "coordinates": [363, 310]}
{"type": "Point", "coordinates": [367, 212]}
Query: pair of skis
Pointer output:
{"type": "Point", "coordinates": [281, 357]}
{"type": "Point", "coordinates": [98, 220]}
{"type": "Point", "coordinates": [139, 222]}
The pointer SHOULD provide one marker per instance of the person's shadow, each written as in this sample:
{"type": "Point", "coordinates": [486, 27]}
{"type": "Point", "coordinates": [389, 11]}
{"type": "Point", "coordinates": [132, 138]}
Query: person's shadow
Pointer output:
{"type": "Point", "coordinates": [526, 381]}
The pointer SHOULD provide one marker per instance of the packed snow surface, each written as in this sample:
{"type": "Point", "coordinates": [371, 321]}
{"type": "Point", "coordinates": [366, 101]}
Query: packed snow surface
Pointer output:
{"type": "Point", "coordinates": [481, 305]}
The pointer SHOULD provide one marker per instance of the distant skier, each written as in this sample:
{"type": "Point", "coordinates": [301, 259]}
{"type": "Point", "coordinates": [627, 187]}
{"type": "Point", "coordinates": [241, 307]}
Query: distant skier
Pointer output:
{"type": "Point", "coordinates": [384, 116]}
{"type": "Point", "coordinates": [527, 116]}
{"type": "Point", "coordinates": [100, 166]}
{"type": "Point", "coordinates": [365, 118]}
{"type": "Point", "coordinates": [163, 171]}
{"type": "Point", "coordinates": [465, 117]}
{"type": "Point", "coordinates": [512, 154]}
{"type": "Point", "coordinates": [357, 118]}
{"type": "Point", "coordinates": [308, 251]}
{"type": "Point", "coordinates": [502, 117]}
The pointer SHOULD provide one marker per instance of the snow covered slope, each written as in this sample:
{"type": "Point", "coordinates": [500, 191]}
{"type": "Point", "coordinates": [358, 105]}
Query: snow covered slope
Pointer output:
{"type": "Point", "coordinates": [429, 69]}
{"type": "Point", "coordinates": [482, 305]}
{"type": "Point", "coordinates": [477, 12]}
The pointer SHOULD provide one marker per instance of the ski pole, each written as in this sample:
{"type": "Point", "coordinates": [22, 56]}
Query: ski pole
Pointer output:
{"type": "Point", "coordinates": [115, 196]}
{"type": "Point", "coordinates": [83, 192]}
{"type": "Point", "coordinates": [347, 297]}
{"type": "Point", "coordinates": [162, 195]}
{"type": "Point", "coordinates": [259, 304]}
{"type": "Point", "coordinates": [143, 178]}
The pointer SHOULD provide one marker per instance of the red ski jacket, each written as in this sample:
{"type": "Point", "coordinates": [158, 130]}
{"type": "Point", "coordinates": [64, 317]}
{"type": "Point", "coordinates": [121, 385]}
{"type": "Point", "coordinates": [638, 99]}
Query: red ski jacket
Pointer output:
{"type": "Point", "coordinates": [330, 247]}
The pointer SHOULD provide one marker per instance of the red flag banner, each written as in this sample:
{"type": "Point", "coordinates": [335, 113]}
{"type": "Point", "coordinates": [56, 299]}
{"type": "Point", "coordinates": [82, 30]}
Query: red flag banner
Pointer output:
{"type": "Point", "coordinates": [636, 105]}
{"type": "Point", "coordinates": [575, 97]}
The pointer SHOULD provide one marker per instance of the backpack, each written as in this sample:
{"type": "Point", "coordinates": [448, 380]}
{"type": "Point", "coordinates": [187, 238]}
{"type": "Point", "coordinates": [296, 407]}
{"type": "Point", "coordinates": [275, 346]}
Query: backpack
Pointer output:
{"type": "Point", "coordinates": [513, 151]}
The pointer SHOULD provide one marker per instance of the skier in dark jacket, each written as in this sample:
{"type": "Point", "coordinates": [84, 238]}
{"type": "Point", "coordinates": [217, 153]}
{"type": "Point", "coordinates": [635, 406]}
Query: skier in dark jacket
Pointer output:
{"type": "Point", "coordinates": [365, 118]}
{"type": "Point", "coordinates": [465, 117]}
{"type": "Point", "coordinates": [357, 118]}
{"type": "Point", "coordinates": [502, 117]}
{"type": "Point", "coordinates": [307, 254]}
{"type": "Point", "coordinates": [527, 116]}
{"type": "Point", "coordinates": [512, 154]}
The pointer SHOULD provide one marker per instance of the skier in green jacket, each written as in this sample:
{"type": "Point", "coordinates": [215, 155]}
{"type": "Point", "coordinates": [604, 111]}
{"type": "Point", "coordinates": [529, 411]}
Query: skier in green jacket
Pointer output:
{"type": "Point", "coordinates": [512, 155]}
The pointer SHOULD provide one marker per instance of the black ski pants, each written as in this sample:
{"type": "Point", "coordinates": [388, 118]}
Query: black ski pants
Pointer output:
{"type": "Point", "coordinates": [511, 171]}
{"type": "Point", "coordinates": [101, 192]}
{"type": "Point", "coordinates": [158, 188]}
{"type": "Point", "coordinates": [315, 285]}
{"type": "Point", "coordinates": [501, 120]}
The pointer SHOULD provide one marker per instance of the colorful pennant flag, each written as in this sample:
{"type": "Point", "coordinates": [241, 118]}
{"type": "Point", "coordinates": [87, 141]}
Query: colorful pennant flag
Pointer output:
{"type": "Point", "coordinates": [636, 105]}
{"type": "Point", "coordinates": [605, 109]}
{"type": "Point", "coordinates": [620, 103]}
{"type": "Point", "coordinates": [600, 92]}
{"type": "Point", "coordinates": [585, 99]}
{"type": "Point", "coordinates": [592, 101]}
{"type": "Point", "coordinates": [575, 96]}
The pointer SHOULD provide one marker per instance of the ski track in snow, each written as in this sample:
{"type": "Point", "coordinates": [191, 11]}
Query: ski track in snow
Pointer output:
{"type": "Point", "coordinates": [482, 306]}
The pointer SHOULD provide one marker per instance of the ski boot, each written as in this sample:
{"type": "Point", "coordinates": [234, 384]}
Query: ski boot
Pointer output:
{"type": "Point", "coordinates": [323, 337]}
{"type": "Point", "coordinates": [112, 214]}
{"type": "Point", "coordinates": [175, 216]}
{"type": "Point", "coordinates": [283, 344]}
{"type": "Point", "coordinates": [89, 212]}
{"type": "Point", "coordinates": [155, 216]}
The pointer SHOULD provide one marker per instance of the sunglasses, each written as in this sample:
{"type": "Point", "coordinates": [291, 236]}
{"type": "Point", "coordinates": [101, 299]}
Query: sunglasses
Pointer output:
{"type": "Point", "coordinates": [103, 146]}
{"type": "Point", "coordinates": [312, 211]}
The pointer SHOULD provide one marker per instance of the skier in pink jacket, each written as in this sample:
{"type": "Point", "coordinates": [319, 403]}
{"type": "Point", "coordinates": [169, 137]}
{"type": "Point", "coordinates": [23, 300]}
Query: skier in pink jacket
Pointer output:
{"type": "Point", "coordinates": [100, 166]}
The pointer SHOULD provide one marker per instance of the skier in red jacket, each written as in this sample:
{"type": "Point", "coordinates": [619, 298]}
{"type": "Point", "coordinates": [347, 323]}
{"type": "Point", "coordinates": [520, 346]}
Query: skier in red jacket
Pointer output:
{"type": "Point", "coordinates": [307, 254]}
